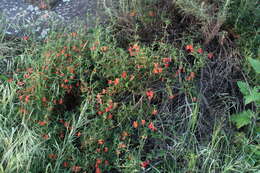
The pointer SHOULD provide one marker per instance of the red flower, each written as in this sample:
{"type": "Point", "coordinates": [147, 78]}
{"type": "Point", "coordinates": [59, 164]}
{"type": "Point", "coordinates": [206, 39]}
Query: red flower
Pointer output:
{"type": "Point", "coordinates": [200, 51]}
{"type": "Point", "coordinates": [10, 80]}
{"type": "Point", "coordinates": [133, 50]}
{"type": "Point", "coordinates": [26, 76]}
{"type": "Point", "coordinates": [78, 134]}
{"type": "Point", "coordinates": [106, 162]}
{"type": "Point", "coordinates": [143, 122]}
{"type": "Point", "coordinates": [52, 156]}
{"type": "Point", "coordinates": [44, 99]}
{"type": "Point", "coordinates": [100, 112]}
{"type": "Point", "coordinates": [135, 124]}
{"type": "Point", "coordinates": [123, 75]}
{"type": "Point", "coordinates": [157, 70]}
{"type": "Point", "coordinates": [151, 126]}
{"type": "Point", "coordinates": [144, 164]}
{"type": "Point", "coordinates": [101, 141]}
{"type": "Point", "coordinates": [116, 81]}
{"type": "Point", "coordinates": [98, 170]}
{"type": "Point", "coordinates": [105, 149]}
{"type": "Point", "coordinates": [98, 162]}
{"type": "Point", "coordinates": [210, 55]}
{"type": "Point", "coordinates": [110, 82]}
{"type": "Point", "coordinates": [42, 123]}
{"type": "Point", "coordinates": [45, 136]}
{"type": "Point", "coordinates": [166, 65]}
{"type": "Point", "coordinates": [154, 112]}
{"type": "Point", "coordinates": [149, 94]}
{"type": "Point", "coordinates": [189, 48]}
{"type": "Point", "coordinates": [25, 38]}
{"type": "Point", "coordinates": [109, 117]}
{"type": "Point", "coordinates": [61, 101]}
{"type": "Point", "coordinates": [27, 98]}
{"type": "Point", "coordinates": [20, 83]}
{"type": "Point", "coordinates": [73, 34]}
{"type": "Point", "coordinates": [76, 168]}
{"type": "Point", "coordinates": [65, 164]}
{"type": "Point", "coordinates": [166, 60]}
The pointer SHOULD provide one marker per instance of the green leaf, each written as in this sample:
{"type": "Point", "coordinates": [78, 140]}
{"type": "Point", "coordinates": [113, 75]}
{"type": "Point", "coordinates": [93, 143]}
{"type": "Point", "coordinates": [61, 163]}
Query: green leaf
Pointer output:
{"type": "Point", "coordinates": [255, 64]}
{"type": "Point", "coordinates": [253, 97]}
{"type": "Point", "coordinates": [244, 88]}
{"type": "Point", "coordinates": [3, 77]}
{"type": "Point", "coordinates": [242, 119]}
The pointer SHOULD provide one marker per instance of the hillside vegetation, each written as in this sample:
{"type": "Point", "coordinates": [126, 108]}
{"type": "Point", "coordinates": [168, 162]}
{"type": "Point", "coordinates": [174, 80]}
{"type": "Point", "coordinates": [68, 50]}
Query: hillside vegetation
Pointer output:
{"type": "Point", "coordinates": [163, 86]}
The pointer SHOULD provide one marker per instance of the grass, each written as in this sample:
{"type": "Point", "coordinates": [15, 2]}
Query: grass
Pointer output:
{"type": "Point", "coordinates": [152, 91]}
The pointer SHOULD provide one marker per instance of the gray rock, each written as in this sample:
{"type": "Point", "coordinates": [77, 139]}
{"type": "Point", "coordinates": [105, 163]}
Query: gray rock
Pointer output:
{"type": "Point", "coordinates": [26, 18]}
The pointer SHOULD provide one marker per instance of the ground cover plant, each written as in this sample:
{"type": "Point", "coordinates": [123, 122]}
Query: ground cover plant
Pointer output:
{"type": "Point", "coordinates": [152, 91]}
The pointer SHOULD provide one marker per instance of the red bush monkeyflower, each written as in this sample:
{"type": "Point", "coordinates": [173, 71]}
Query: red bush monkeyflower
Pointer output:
{"type": "Point", "coordinates": [166, 60]}
{"type": "Point", "coordinates": [106, 149]}
{"type": "Point", "coordinates": [61, 101]}
{"type": "Point", "coordinates": [144, 164]}
{"type": "Point", "coordinates": [109, 81]}
{"type": "Point", "coordinates": [44, 99]}
{"type": "Point", "coordinates": [45, 136]}
{"type": "Point", "coordinates": [151, 126]}
{"type": "Point", "coordinates": [149, 94]}
{"type": "Point", "coordinates": [26, 76]}
{"type": "Point", "coordinates": [194, 99]}
{"type": "Point", "coordinates": [210, 55]}
{"type": "Point", "coordinates": [42, 123]}
{"type": "Point", "coordinates": [73, 34]}
{"type": "Point", "coordinates": [27, 99]}
{"type": "Point", "coordinates": [109, 117]}
{"type": "Point", "coordinates": [116, 81]}
{"type": "Point", "coordinates": [166, 65]}
{"type": "Point", "coordinates": [25, 38]}
{"type": "Point", "coordinates": [93, 48]}
{"type": "Point", "coordinates": [101, 141]}
{"type": "Point", "coordinates": [106, 162]}
{"type": "Point", "coordinates": [192, 74]}
{"type": "Point", "coordinates": [134, 50]}
{"type": "Point", "coordinates": [143, 122]}
{"type": "Point", "coordinates": [20, 83]}
{"type": "Point", "coordinates": [200, 51]}
{"type": "Point", "coordinates": [189, 48]}
{"type": "Point", "coordinates": [66, 124]}
{"type": "Point", "coordinates": [10, 80]}
{"type": "Point", "coordinates": [76, 168]}
{"type": "Point", "coordinates": [78, 134]}
{"type": "Point", "coordinates": [98, 170]}
{"type": "Point", "coordinates": [100, 112]}
{"type": "Point", "coordinates": [154, 112]}
{"type": "Point", "coordinates": [104, 48]}
{"type": "Point", "coordinates": [52, 156]}
{"type": "Point", "coordinates": [65, 164]}
{"type": "Point", "coordinates": [135, 124]}
{"type": "Point", "coordinates": [157, 70]}
{"type": "Point", "coordinates": [98, 161]}
{"type": "Point", "coordinates": [123, 75]}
